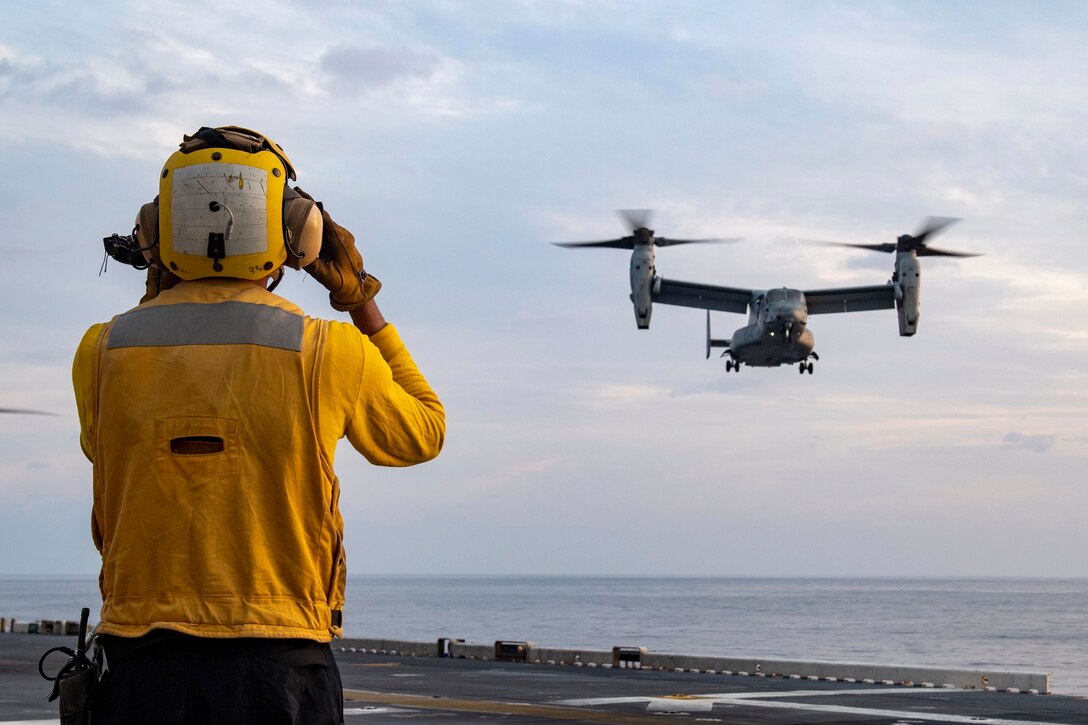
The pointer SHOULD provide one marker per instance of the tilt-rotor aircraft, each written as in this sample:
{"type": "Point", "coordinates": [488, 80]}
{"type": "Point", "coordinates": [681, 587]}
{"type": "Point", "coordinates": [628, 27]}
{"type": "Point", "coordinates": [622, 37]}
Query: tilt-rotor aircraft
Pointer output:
{"type": "Point", "coordinates": [777, 331]}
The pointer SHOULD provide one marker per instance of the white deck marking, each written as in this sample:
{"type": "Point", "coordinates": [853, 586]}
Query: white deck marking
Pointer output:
{"type": "Point", "coordinates": [705, 703]}
{"type": "Point", "coordinates": [753, 695]}
{"type": "Point", "coordinates": [364, 711]}
{"type": "Point", "coordinates": [900, 714]}
{"type": "Point", "coordinates": [835, 693]}
{"type": "Point", "coordinates": [680, 704]}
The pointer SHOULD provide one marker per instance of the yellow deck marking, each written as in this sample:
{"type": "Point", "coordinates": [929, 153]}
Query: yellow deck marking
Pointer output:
{"type": "Point", "coordinates": [553, 712]}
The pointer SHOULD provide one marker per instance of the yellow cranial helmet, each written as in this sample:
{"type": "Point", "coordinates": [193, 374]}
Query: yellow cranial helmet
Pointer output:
{"type": "Point", "coordinates": [225, 209]}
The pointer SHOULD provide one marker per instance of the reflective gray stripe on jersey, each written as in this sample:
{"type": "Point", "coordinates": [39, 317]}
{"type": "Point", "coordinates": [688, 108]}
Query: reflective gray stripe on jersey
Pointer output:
{"type": "Point", "coordinates": [218, 323]}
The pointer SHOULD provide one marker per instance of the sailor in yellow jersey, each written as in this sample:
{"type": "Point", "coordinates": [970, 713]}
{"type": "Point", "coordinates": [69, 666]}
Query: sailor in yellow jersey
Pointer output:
{"type": "Point", "coordinates": [211, 413]}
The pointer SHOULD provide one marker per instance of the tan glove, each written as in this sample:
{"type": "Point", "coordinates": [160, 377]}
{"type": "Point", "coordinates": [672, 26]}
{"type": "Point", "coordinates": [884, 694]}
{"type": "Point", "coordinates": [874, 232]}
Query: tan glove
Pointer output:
{"type": "Point", "coordinates": [157, 281]}
{"type": "Point", "coordinates": [339, 267]}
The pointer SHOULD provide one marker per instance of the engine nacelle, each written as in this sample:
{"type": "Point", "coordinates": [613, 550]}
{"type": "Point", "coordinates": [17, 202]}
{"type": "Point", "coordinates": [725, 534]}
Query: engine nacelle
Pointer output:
{"type": "Point", "coordinates": [642, 279]}
{"type": "Point", "coordinates": [908, 283]}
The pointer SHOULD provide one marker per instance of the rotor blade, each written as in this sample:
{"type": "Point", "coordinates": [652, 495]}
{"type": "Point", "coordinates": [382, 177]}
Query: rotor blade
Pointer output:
{"type": "Point", "coordinates": [886, 247]}
{"type": "Point", "coordinates": [934, 225]}
{"type": "Point", "coordinates": [921, 250]}
{"type": "Point", "coordinates": [813, 242]}
{"type": "Point", "coordinates": [636, 218]}
{"type": "Point", "coordinates": [625, 243]}
{"type": "Point", "coordinates": [666, 242]}
{"type": "Point", "coordinates": [23, 411]}
{"type": "Point", "coordinates": [931, 225]}
{"type": "Point", "coordinates": [931, 252]}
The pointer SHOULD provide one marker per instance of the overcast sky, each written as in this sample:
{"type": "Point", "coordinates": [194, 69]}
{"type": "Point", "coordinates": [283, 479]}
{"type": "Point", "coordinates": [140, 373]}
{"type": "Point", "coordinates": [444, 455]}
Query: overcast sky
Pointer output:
{"type": "Point", "coordinates": [457, 139]}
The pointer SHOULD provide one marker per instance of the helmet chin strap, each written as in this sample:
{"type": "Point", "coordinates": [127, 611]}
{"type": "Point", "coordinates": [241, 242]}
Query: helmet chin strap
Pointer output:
{"type": "Point", "coordinates": [276, 281]}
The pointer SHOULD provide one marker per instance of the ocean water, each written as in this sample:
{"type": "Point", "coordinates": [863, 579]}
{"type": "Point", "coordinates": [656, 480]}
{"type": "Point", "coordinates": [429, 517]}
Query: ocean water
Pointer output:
{"type": "Point", "coordinates": [1011, 624]}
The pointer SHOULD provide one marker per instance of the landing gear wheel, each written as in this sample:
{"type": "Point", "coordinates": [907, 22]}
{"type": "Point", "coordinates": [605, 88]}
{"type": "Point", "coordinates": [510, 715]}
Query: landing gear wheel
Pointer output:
{"type": "Point", "coordinates": [801, 368]}
{"type": "Point", "coordinates": [728, 365]}
{"type": "Point", "coordinates": [809, 366]}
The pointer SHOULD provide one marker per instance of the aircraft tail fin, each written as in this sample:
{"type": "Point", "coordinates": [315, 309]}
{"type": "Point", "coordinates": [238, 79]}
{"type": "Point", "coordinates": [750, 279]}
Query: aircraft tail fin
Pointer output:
{"type": "Point", "coordinates": [710, 341]}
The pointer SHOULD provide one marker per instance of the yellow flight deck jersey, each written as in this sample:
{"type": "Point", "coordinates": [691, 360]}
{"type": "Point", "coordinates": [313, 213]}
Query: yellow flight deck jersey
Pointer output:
{"type": "Point", "coordinates": [211, 414]}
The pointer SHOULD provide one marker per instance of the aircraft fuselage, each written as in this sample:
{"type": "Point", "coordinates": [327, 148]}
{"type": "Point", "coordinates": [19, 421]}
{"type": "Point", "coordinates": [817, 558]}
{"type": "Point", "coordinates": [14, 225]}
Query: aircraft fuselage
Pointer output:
{"type": "Point", "coordinates": [777, 333]}
{"type": "Point", "coordinates": [758, 347]}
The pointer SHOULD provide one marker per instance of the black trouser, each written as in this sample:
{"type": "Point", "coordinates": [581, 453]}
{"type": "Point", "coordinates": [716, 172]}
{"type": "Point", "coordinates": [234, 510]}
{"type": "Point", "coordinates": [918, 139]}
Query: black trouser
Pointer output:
{"type": "Point", "coordinates": [167, 678]}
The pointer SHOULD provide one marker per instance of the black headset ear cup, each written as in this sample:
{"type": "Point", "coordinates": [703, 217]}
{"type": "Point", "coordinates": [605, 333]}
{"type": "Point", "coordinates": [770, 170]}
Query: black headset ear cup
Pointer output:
{"type": "Point", "coordinates": [301, 230]}
{"type": "Point", "coordinates": [146, 231]}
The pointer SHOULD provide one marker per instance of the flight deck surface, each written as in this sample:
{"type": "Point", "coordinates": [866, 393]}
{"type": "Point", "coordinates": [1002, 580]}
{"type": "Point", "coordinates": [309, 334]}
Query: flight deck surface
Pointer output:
{"type": "Point", "coordinates": [395, 688]}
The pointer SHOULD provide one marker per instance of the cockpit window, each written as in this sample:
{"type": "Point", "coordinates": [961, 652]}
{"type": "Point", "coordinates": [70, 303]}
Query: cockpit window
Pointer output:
{"type": "Point", "coordinates": [783, 295]}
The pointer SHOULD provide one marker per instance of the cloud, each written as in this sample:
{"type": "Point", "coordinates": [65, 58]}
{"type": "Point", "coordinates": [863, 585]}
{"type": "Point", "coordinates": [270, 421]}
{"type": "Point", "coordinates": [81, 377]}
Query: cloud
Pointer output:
{"type": "Point", "coordinates": [547, 319]}
{"type": "Point", "coordinates": [922, 80]}
{"type": "Point", "coordinates": [359, 69]}
{"type": "Point", "coordinates": [166, 75]}
{"type": "Point", "coordinates": [631, 393]}
{"type": "Point", "coordinates": [96, 87]}
{"type": "Point", "coordinates": [737, 89]}
{"type": "Point", "coordinates": [528, 468]}
{"type": "Point", "coordinates": [1034, 443]}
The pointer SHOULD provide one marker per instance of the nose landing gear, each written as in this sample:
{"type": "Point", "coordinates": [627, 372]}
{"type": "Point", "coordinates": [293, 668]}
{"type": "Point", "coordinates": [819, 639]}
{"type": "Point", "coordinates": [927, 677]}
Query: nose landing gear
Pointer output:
{"type": "Point", "coordinates": [731, 365]}
{"type": "Point", "coordinates": [804, 367]}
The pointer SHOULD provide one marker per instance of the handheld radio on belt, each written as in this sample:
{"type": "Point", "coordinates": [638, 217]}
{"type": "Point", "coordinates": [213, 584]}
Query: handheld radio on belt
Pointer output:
{"type": "Point", "coordinates": [75, 681]}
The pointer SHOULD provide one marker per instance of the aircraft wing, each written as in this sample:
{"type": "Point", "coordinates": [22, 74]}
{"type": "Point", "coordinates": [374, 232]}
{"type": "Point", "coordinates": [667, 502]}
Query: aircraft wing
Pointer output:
{"type": "Point", "coordinates": [702, 296]}
{"type": "Point", "coordinates": [850, 299]}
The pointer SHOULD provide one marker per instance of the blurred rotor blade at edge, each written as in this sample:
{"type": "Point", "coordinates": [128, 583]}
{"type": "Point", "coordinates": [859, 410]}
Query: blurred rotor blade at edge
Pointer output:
{"type": "Point", "coordinates": [636, 218]}
{"type": "Point", "coordinates": [914, 243]}
{"type": "Point", "coordinates": [935, 225]}
{"type": "Point", "coordinates": [638, 221]}
{"type": "Point", "coordinates": [626, 243]}
{"type": "Point", "coordinates": [669, 241]}
{"type": "Point", "coordinates": [932, 252]}
{"type": "Point", "coordinates": [885, 247]}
